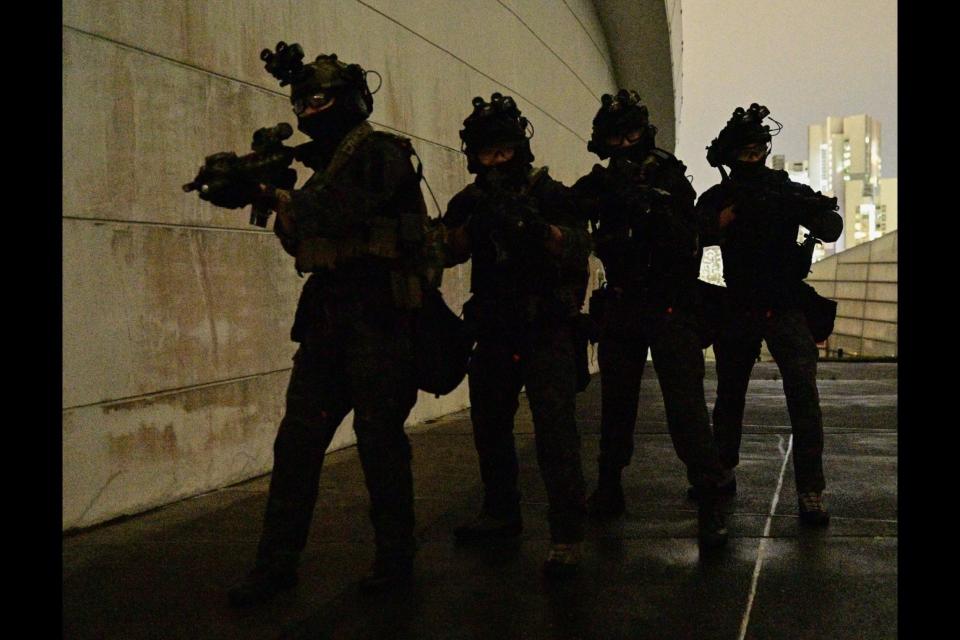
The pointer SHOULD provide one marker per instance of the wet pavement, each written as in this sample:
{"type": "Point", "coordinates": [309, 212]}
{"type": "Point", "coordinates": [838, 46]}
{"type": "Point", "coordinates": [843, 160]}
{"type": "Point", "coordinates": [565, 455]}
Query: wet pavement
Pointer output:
{"type": "Point", "coordinates": [164, 574]}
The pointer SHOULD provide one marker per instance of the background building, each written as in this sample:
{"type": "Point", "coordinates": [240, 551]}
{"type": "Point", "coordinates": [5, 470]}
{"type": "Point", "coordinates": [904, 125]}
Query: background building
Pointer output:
{"type": "Point", "coordinates": [845, 161]}
{"type": "Point", "coordinates": [798, 171]}
{"type": "Point", "coordinates": [887, 205]}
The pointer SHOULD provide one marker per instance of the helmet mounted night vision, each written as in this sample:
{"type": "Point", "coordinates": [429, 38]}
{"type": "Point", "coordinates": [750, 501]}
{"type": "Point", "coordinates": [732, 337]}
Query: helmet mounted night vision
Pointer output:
{"type": "Point", "coordinates": [495, 123]}
{"type": "Point", "coordinates": [620, 115]}
{"type": "Point", "coordinates": [325, 77]}
{"type": "Point", "coordinates": [745, 127]}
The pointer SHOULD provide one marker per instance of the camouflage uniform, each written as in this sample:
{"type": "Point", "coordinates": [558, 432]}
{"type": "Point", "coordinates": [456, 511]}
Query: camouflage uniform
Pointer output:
{"type": "Point", "coordinates": [651, 259]}
{"type": "Point", "coordinates": [759, 250]}
{"type": "Point", "coordinates": [524, 304]}
{"type": "Point", "coordinates": [353, 323]}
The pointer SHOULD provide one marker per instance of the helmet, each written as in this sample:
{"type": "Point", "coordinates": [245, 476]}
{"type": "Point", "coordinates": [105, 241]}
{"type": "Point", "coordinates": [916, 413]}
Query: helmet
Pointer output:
{"type": "Point", "coordinates": [325, 76]}
{"type": "Point", "coordinates": [494, 123]}
{"type": "Point", "coordinates": [743, 128]}
{"type": "Point", "coordinates": [621, 114]}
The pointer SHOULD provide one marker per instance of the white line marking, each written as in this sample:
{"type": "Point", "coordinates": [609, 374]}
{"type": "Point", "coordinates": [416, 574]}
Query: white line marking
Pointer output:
{"type": "Point", "coordinates": [763, 544]}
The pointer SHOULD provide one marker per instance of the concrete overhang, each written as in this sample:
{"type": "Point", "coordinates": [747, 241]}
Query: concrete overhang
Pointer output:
{"type": "Point", "coordinates": [638, 38]}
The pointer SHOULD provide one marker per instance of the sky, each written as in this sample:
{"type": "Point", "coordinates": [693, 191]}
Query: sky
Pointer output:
{"type": "Point", "coordinates": [803, 59]}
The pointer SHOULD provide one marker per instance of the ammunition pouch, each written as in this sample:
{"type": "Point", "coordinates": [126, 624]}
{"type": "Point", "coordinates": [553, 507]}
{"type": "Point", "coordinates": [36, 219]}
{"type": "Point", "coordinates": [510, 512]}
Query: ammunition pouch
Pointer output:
{"type": "Point", "coordinates": [318, 252]}
{"type": "Point", "coordinates": [415, 254]}
{"type": "Point", "coordinates": [442, 346]}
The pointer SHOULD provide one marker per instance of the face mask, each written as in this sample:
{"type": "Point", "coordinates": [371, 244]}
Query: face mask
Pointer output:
{"type": "Point", "coordinates": [743, 169]}
{"type": "Point", "coordinates": [635, 153]}
{"type": "Point", "coordinates": [328, 125]}
{"type": "Point", "coordinates": [513, 172]}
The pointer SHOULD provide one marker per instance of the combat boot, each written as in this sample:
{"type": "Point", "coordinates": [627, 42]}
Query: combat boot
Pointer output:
{"type": "Point", "coordinates": [607, 500]}
{"type": "Point", "coordinates": [726, 488]}
{"type": "Point", "coordinates": [387, 574]}
{"type": "Point", "coordinates": [563, 560]}
{"type": "Point", "coordinates": [812, 511]}
{"type": "Point", "coordinates": [488, 527]}
{"type": "Point", "coordinates": [261, 585]}
{"type": "Point", "coordinates": [711, 519]}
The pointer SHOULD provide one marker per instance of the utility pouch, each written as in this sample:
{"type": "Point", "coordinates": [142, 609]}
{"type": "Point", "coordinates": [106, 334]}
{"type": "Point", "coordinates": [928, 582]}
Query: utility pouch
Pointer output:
{"type": "Point", "coordinates": [442, 346]}
{"type": "Point", "coordinates": [820, 312]}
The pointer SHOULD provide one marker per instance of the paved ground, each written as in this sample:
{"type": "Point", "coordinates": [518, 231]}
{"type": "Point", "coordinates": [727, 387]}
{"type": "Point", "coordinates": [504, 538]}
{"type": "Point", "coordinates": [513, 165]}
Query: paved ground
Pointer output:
{"type": "Point", "coordinates": [163, 574]}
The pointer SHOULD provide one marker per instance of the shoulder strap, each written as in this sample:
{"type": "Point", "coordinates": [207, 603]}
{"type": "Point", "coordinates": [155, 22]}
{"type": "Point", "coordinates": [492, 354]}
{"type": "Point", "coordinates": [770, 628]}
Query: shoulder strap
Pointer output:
{"type": "Point", "coordinates": [347, 147]}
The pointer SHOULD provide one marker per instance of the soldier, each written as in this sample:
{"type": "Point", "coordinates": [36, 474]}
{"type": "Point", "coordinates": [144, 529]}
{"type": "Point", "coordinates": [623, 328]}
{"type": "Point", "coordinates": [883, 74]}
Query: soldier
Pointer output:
{"type": "Point", "coordinates": [353, 321]}
{"type": "Point", "coordinates": [528, 281]}
{"type": "Point", "coordinates": [754, 215]}
{"type": "Point", "coordinates": [642, 207]}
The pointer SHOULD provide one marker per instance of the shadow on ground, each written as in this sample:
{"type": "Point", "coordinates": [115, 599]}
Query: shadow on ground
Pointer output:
{"type": "Point", "coordinates": [164, 574]}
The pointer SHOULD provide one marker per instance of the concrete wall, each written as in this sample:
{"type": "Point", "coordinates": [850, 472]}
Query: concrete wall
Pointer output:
{"type": "Point", "coordinates": [863, 281]}
{"type": "Point", "coordinates": [674, 15]}
{"type": "Point", "coordinates": [640, 34]}
{"type": "Point", "coordinates": [176, 313]}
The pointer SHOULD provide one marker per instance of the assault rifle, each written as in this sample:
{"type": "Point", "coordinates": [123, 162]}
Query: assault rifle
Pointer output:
{"type": "Point", "coordinates": [227, 180]}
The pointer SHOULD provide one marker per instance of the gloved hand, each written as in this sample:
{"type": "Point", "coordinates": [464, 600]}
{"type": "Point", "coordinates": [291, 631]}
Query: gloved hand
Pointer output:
{"type": "Point", "coordinates": [230, 195]}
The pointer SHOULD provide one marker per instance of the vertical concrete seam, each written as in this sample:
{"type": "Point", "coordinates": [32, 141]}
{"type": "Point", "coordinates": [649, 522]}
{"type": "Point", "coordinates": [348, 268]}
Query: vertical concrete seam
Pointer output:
{"type": "Point", "coordinates": [208, 293]}
{"type": "Point", "coordinates": [678, 79]}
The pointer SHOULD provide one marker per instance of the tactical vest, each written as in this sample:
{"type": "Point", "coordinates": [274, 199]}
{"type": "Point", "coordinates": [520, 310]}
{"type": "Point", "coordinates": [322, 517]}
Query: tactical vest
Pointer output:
{"type": "Point", "coordinates": [410, 243]}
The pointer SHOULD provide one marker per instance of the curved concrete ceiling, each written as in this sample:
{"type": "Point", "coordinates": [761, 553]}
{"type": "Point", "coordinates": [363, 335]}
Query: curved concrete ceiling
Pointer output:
{"type": "Point", "coordinates": [638, 37]}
